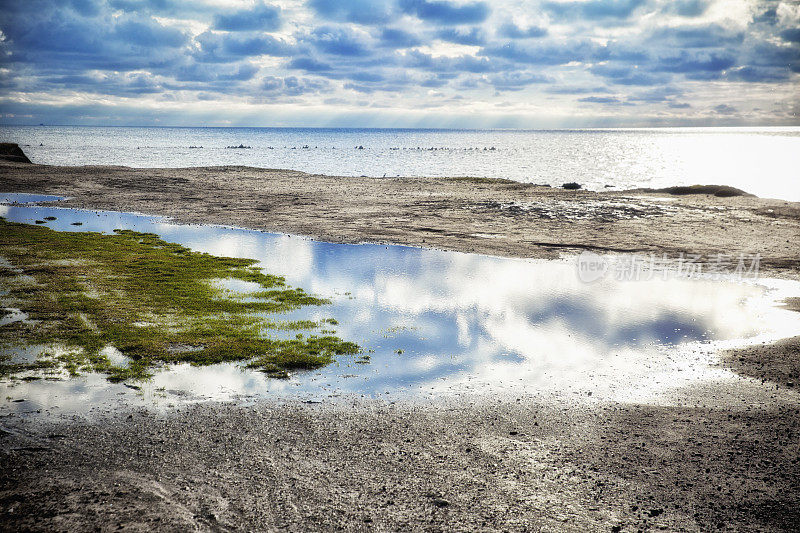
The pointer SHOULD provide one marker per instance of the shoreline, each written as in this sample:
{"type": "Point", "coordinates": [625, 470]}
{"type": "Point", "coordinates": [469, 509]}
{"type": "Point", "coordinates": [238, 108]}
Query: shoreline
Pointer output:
{"type": "Point", "coordinates": [491, 217]}
{"type": "Point", "coordinates": [703, 462]}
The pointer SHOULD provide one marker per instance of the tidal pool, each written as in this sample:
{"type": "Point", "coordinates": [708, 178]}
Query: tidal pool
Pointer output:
{"type": "Point", "coordinates": [434, 323]}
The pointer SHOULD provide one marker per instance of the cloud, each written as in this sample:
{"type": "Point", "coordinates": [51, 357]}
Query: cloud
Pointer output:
{"type": "Point", "coordinates": [512, 31]}
{"type": "Point", "coordinates": [600, 100]}
{"type": "Point", "coordinates": [149, 33]}
{"type": "Point", "coordinates": [225, 47]}
{"type": "Point", "coordinates": [515, 81]}
{"type": "Point", "coordinates": [759, 75]}
{"type": "Point", "coordinates": [659, 94]}
{"type": "Point", "coordinates": [725, 109]}
{"type": "Point", "coordinates": [262, 17]}
{"type": "Point", "coordinates": [593, 9]}
{"type": "Point", "coordinates": [469, 36]}
{"type": "Point", "coordinates": [358, 11]}
{"type": "Point", "coordinates": [791, 35]}
{"type": "Point", "coordinates": [648, 55]}
{"type": "Point", "coordinates": [448, 13]}
{"type": "Point", "coordinates": [292, 86]}
{"type": "Point", "coordinates": [697, 36]}
{"type": "Point", "coordinates": [203, 73]}
{"type": "Point", "coordinates": [309, 65]}
{"type": "Point", "coordinates": [625, 74]}
{"type": "Point", "coordinates": [686, 62]}
{"type": "Point", "coordinates": [339, 40]}
{"type": "Point", "coordinates": [440, 64]}
{"type": "Point", "coordinates": [687, 8]}
{"type": "Point", "coordinates": [546, 54]}
{"type": "Point", "coordinates": [395, 38]}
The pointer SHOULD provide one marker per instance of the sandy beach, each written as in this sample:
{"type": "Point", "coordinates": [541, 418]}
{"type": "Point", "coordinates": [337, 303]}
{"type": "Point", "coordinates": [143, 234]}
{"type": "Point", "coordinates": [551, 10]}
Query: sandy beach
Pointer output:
{"type": "Point", "coordinates": [707, 461]}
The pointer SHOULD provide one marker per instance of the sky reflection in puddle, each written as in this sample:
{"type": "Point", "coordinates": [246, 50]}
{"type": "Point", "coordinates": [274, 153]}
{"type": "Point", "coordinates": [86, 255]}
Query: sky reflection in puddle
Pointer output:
{"type": "Point", "coordinates": [444, 322]}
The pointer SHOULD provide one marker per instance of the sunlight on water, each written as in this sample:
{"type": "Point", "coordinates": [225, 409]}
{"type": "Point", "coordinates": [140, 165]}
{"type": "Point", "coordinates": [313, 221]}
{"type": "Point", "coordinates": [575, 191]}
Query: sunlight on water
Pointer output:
{"type": "Point", "coordinates": [762, 161]}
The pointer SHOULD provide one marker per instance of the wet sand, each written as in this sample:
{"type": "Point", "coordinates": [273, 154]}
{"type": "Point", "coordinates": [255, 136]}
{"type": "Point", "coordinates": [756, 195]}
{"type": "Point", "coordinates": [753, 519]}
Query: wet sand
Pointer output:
{"type": "Point", "coordinates": [703, 462]}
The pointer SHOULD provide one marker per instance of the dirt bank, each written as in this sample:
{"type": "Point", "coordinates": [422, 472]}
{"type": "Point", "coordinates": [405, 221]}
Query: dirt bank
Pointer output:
{"type": "Point", "coordinates": [375, 466]}
{"type": "Point", "coordinates": [473, 215]}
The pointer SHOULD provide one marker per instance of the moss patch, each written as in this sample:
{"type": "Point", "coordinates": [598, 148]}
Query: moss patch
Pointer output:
{"type": "Point", "coordinates": [145, 297]}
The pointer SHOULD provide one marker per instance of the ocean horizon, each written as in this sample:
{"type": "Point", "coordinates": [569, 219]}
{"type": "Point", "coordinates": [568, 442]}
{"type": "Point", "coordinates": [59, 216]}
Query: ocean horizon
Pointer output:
{"type": "Point", "coordinates": [760, 160]}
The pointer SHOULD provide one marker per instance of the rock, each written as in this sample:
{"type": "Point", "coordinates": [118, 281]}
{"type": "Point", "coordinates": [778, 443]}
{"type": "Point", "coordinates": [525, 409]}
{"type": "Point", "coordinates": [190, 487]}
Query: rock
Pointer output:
{"type": "Point", "coordinates": [12, 152]}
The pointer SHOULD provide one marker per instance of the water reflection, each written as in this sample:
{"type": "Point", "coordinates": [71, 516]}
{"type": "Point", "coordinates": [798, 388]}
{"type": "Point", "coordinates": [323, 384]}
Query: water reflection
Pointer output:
{"type": "Point", "coordinates": [434, 321]}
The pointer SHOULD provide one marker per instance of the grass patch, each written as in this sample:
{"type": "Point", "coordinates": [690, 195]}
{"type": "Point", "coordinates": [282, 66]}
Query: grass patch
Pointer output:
{"type": "Point", "coordinates": [144, 296]}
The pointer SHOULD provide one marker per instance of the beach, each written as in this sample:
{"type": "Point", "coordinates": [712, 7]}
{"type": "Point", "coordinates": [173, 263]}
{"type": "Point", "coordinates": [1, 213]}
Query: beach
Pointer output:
{"type": "Point", "coordinates": [709, 459]}
{"type": "Point", "coordinates": [477, 215]}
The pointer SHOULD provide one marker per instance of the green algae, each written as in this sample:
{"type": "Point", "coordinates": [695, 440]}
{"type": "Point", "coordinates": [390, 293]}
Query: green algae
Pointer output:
{"type": "Point", "coordinates": [154, 301]}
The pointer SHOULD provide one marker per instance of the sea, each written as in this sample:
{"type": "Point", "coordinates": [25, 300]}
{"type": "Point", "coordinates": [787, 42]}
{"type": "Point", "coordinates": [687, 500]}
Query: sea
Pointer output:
{"type": "Point", "coordinates": [761, 161]}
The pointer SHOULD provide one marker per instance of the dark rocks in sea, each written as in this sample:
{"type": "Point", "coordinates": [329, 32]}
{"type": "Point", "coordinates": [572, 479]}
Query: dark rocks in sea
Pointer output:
{"type": "Point", "coordinates": [241, 146]}
{"type": "Point", "coordinates": [571, 185]}
{"type": "Point", "coordinates": [12, 152]}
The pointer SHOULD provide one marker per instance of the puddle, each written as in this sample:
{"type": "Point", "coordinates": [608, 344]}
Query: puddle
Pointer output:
{"type": "Point", "coordinates": [27, 198]}
{"type": "Point", "coordinates": [9, 315]}
{"type": "Point", "coordinates": [434, 322]}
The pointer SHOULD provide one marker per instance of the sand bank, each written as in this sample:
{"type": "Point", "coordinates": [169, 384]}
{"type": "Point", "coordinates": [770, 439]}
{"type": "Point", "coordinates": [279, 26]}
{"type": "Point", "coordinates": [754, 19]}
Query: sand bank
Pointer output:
{"type": "Point", "coordinates": [464, 214]}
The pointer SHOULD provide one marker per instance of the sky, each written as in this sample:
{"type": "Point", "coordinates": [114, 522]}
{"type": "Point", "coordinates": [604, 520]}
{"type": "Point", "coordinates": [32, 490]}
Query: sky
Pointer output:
{"type": "Point", "coordinates": [401, 63]}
